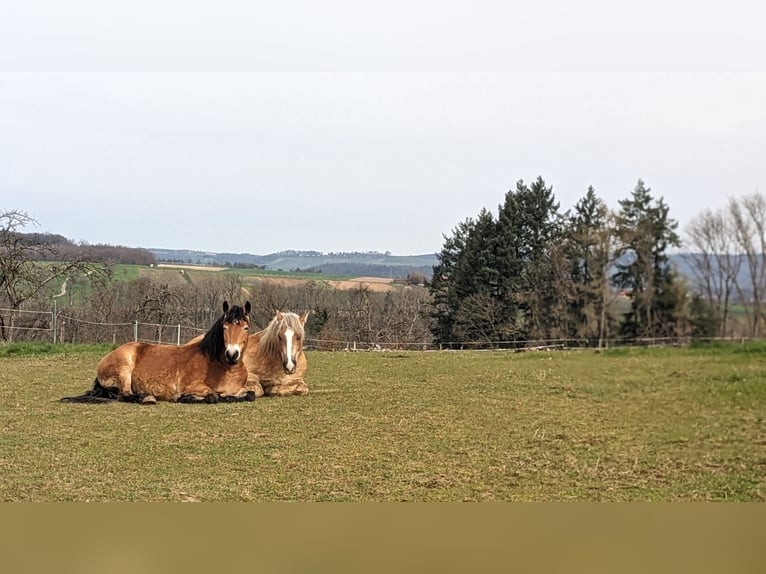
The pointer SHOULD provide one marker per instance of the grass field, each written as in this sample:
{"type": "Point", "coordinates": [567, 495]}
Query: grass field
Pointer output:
{"type": "Point", "coordinates": [651, 424]}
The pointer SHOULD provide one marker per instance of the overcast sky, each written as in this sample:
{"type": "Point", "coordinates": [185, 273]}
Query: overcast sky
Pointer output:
{"type": "Point", "coordinates": [336, 160]}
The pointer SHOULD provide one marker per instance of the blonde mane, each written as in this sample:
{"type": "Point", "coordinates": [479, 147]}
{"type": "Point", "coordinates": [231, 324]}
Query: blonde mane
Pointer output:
{"type": "Point", "coordinates": [270, 338]}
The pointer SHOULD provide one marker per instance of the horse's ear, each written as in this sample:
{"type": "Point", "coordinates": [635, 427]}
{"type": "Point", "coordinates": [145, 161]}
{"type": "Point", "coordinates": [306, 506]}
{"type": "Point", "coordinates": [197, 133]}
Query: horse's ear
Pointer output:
{"type": "Point", "coordinates": [280, 316]}
{"type": "Point", "coordinates": [225, 307]}
{"type": "Point", "coordinates": [247, 307]}
{"type": "Point", "coordinates": [304, 317]}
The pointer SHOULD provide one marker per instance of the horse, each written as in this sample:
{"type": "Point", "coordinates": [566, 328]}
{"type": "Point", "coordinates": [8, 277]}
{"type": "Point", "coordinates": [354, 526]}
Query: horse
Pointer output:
{"type": "Point", "coordinates": [210, 370]}
{"type": "Point", "coordinates": [274, 357]}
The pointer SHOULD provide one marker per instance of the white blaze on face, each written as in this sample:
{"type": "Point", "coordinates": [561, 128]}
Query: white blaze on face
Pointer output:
{"type": "Point", "coordinates": [289, 363]}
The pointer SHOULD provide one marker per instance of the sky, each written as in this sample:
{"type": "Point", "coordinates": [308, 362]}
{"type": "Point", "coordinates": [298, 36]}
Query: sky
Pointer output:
{"type": "Point", "coordinates": [348, 126]}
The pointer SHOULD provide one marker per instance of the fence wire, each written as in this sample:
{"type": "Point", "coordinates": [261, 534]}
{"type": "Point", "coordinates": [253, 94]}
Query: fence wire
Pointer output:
{"type": "Point", "coordinates": [22, 326]}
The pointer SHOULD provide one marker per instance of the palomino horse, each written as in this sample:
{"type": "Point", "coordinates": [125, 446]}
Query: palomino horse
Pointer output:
{"type": "Point", "coordinates": [207, 371]}
{"type": "Point", "coordinates": [274, 357]}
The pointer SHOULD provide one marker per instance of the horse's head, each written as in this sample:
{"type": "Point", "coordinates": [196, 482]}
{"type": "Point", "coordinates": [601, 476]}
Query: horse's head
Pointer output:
{"type": "Point", "coordinates": [236, 327]}
{"type": "Point", "coordinates": [289, 331]}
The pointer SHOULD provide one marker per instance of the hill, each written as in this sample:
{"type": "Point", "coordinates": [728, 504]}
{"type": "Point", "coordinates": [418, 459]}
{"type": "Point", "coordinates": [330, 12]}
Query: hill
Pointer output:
{"type": "Point", "coordinates": [350, 264]}
{"type": "Point", "coordinates": [371, 263]}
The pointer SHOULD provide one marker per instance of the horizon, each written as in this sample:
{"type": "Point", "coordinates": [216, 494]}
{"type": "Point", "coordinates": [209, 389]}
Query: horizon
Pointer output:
{"type": "Point", "coordinates": [385, 162]}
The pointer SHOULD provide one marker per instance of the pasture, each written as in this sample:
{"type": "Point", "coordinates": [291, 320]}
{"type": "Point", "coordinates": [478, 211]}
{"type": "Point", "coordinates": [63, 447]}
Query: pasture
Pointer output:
{"type": "Point", "coordinates": [639, 424]}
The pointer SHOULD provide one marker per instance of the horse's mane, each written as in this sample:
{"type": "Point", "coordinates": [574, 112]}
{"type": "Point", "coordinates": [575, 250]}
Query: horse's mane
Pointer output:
{"type": "Point", "coordinates": [270, 335]}
{"type": "Point", "coordinates": [212, 343]}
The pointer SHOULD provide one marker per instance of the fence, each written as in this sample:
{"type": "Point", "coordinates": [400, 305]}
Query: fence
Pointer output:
{"type": "Point", "coordinates": [20, 326]}
{"type": "Point", "coordinates": [514, 346]}
{"type": "Point", "coordinates": [58, 327]}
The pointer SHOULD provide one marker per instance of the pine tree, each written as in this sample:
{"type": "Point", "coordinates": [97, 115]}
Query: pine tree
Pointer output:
{"type": "Point", "coordinates": [539, 228]}
{"type": "Point", "coordinates": [646, 232]}
{"type": "Point", "coordinates": [475, 271]}
{"type": "Point", "coordinates": [495, 279]}
{"type": "Point", "coordinates": [442, 285]}
{"type": "Point", "coordinates": [589, 249]}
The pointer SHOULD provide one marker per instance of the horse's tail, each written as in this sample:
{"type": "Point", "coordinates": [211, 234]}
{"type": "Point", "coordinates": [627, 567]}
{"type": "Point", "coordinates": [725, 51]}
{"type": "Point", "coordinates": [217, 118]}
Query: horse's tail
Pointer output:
{"type": "Point", "coordinates": [98, 394]}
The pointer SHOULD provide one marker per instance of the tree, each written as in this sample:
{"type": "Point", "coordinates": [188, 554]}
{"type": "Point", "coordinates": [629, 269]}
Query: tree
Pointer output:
{"type": "Point", "coordinates": [538, 229]}
{"type": "Point", "coordinates": [748, 217]}
{"type": "Point", "coordinates": [646, 232]}
{"type": "Point", "coordinates": [715, 263]}
{"type": "Point", "coordinates": [704, 318]}
{"type": "Point", "coordinates": [442, 286]}
{"type": "Point", "coordinates": [22, 277]}
{"type": "Point", "coordinates": [495, 276]}
{"type": "Point", "coordinates": [479, 319]}
{"type": "Point", "coordinates": [589, 249]}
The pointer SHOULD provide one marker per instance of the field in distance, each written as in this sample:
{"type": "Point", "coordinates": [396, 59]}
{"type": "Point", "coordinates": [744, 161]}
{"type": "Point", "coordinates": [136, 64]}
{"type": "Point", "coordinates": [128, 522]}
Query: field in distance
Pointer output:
{"type": "Point", "coordinates": [175, 273]}
{"type": "Point", "coordinates": [641, 424]}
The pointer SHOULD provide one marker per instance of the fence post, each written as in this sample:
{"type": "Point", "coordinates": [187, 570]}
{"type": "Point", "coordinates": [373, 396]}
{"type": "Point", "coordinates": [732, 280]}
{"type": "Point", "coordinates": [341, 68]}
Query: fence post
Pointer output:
{"type": "Point", "coordinates": [53, 321]}
{"type": "Point", "coordinates": [179, 333]}
{"type": "Point", "coordinates": [135, 330]}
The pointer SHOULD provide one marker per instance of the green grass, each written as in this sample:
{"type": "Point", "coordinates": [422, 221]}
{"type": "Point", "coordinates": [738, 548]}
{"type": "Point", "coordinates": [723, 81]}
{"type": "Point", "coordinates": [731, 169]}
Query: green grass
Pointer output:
{"type": "Point", "coordinates": [275, 273]}
{"type": "Point", "coordinates": [643, 424]}
{"type": "Point", "coordinates": [195, 273]}
{"type": "Point", "coordinates": [32, 349]}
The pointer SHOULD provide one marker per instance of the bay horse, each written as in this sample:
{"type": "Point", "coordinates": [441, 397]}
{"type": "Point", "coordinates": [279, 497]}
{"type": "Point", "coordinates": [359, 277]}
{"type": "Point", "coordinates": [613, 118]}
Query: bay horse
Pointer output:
{"type": "Point", "coordinates": [274, 357]}
{"type": "Point", "coordinates": [210, 370]}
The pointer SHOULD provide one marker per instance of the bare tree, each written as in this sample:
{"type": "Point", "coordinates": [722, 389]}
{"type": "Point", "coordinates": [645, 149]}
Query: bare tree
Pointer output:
{"type": "Point", "coordinates": [480, 318]}
{"type": "Point", "coordinates": [748, 218]}
{"type": "Point", "coordinates": [22, 275]}
{"type": "Point", "coordinates": [714, 260]}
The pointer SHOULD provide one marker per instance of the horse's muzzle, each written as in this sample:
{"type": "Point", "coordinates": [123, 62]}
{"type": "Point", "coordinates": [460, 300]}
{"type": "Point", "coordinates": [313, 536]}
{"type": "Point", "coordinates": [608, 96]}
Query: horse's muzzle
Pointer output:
{"type": "Point", "coordinates": [232, 357]}
{"type": "Point", "coordinates": [289, 370]}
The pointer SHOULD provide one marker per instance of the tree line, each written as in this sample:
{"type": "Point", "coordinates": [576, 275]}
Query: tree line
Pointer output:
{"type": "Point", "coordinates": [530, 272]}
{"type": "Point", "coordinates": [727, 258]}
{"type": "Point", "coordinates": [54, 247]}
{"type": "Point", "coordinates": [525, 272]}
{"type": "Point", "coordinates": [97, 301]}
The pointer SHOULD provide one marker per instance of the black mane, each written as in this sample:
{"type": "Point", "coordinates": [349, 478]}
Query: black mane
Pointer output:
{"type": "Point", "coordinates": [212, 343]}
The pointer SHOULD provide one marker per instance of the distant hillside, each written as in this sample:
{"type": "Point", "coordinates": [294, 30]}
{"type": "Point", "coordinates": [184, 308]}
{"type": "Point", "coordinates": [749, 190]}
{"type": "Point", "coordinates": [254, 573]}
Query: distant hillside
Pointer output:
{"type": "Point", "coordinates": [353, 263]}
{"type": "Point", "coordinates": [371, 264]}
{"type": "Point", "coordinates": [54, 247]}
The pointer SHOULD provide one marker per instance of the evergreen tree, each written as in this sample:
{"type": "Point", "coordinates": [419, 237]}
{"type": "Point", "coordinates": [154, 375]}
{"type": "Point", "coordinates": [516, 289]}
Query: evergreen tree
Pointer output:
{"type": "Point", "coordinates": [705, 320]}
{"type": "Point", "coordinates": [589, 248]}
{"type": "Point", "coordinates": [539, 228]}
{"type": "Point", "coordinates": [509, 264]}
{"type": "Point", "coordinates": [475, 270]}
{"type": "Point", "coordinates": [495, 279]}
{"type": "Point", "coordinates": [442, 285]}
{"type": "Point", "coordinates": [646, 232]}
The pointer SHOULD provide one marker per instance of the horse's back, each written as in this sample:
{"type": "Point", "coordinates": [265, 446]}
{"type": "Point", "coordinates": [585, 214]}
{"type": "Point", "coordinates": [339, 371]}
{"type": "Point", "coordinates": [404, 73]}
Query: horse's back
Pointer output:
{"type": "Point", "coordinates": [195, 341]}
{"type": "Point", "coordinates": [115, 369]}
{"type": "Point", "coordinates": [155, 369]}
